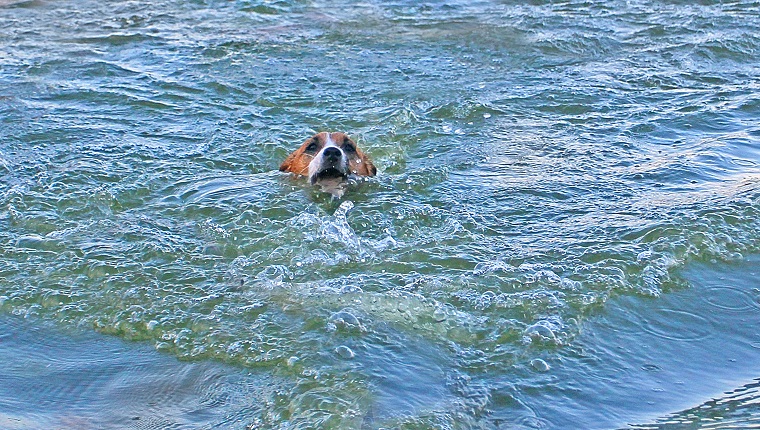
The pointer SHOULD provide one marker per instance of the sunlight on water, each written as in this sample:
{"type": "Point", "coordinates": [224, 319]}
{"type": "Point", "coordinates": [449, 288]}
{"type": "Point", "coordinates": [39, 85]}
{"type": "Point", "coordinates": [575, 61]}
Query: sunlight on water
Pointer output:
{"type": "Point", "coordinates": [535, 162]}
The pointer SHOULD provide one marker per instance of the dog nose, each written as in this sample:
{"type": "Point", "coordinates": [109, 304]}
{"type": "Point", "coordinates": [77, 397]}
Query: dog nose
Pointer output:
{"type": "Point", "coordinates": [332, 153]}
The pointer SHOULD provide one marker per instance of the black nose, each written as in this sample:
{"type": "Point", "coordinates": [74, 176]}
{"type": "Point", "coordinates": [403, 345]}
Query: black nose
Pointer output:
{"type": "Point", "coordinates": [332, 153]}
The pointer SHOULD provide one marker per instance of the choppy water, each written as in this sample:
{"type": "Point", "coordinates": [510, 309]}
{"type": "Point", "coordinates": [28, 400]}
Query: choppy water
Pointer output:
{"type": "Point", "coordinates": [541, 167]}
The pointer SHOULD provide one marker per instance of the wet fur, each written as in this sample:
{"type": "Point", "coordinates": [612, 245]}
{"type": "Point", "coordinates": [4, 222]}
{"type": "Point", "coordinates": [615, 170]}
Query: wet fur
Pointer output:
{"type": "Point", "coordinates": [331, 171]}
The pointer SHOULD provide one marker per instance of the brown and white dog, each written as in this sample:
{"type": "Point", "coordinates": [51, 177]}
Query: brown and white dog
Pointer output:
{"type": "Point", "coordinates": [329, 160]}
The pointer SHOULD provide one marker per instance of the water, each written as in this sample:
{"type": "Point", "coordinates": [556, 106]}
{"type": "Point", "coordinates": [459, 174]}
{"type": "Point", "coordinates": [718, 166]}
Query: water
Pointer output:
{"type": "Point", "coordinates": [75, 380]}
{"type": "Point", "coordinates": [546, 171]}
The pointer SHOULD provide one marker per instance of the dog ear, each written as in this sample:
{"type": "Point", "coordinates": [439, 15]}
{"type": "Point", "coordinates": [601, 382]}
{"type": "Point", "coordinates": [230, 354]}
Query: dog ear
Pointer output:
{"type": "Point", "coordinates": [285, 166]}
{"type": "Point", "coordinates": [371, 169]}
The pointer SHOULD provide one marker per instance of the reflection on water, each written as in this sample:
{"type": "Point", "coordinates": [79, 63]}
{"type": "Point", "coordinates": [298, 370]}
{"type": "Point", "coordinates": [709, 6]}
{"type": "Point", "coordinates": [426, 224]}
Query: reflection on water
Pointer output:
{"type": "Point", "coordinates": [737, 409]}
{"type": "Point", "coordinates": [54, 379]}
{"type": "Point", "coordinates": [640, 360]}
{"type": "Point", "coordinates": [537, 163]}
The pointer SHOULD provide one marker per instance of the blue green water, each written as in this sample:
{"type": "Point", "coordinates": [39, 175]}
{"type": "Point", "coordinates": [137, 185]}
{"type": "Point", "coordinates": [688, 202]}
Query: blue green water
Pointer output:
{"type": "Point", "coordinates": [549, 176]}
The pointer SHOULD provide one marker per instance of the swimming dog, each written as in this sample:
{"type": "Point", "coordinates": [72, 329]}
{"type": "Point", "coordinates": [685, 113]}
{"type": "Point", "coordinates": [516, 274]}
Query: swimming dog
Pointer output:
{"type": "Point", "coordinates": [329, 160]}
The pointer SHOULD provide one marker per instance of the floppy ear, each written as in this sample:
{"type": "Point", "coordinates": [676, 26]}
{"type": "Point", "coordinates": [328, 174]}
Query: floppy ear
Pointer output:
{"type": "Point", "coordinates": [285, 166]}
{"type": "Point", "coordinates": [371, 169]}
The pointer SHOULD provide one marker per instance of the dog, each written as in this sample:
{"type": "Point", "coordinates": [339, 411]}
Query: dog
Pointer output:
{"type": "Point", "coordinates": [329, 160]}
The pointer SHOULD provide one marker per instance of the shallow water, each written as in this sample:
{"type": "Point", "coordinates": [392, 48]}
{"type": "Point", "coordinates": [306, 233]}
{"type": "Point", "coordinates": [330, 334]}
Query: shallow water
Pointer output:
{"type": "Point", "coordinates": [541, 167]}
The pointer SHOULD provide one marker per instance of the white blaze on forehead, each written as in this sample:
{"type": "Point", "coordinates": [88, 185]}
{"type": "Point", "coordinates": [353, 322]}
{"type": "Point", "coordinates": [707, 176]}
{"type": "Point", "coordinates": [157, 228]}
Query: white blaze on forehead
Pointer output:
{"type": "Point", "coordinates": [329, 141]}
{"type": "Point", "coordinates": [316, 163]}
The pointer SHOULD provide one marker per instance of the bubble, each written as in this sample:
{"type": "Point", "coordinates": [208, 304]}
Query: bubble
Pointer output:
{"type": "Point", "coordinates": [345, 352]}
{"type": "Point", "coordinates": [345, 321]}
{"type": "Point", "coordinates": [539, 365]}
{"type": "Point", "coordinates": [344, 318]}
{"type": "Point", "coordinates": [486, 115]}
{"type": "Point", "coordinates": [540, 332]}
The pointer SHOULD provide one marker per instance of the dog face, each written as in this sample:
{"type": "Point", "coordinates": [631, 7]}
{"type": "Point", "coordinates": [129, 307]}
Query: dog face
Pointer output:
{"type": "Point", "coordinates": [329, 160]}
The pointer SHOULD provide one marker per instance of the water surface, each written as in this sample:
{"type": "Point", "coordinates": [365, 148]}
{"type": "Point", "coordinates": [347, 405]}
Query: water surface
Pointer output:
{"type": "Point", "coordinates": [541, 167]}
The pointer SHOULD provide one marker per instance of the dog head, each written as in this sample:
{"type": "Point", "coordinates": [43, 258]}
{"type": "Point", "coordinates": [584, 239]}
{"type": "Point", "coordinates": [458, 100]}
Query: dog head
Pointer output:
{"type": "Point", "coordinates": [329, 160]}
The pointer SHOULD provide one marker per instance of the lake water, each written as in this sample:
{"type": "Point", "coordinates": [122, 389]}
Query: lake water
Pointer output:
{"type": "Point", "coordinates": [564, 231]}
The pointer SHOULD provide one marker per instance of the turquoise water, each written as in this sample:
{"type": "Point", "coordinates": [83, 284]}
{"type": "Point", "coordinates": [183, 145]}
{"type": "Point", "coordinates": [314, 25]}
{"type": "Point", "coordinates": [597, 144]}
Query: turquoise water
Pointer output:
{"type": "Point", "coordinates": [546, 172]}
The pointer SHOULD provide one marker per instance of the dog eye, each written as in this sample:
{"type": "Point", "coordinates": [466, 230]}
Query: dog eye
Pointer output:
{"type": "Point", "coordinates": [348, 147]}
{"type": "Point", "coordinates": [312, 147]}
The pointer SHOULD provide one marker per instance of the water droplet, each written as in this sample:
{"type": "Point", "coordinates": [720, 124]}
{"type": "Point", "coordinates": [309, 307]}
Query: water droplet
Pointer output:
{"type": "Point", "coordinates": [345, 352]}
{"type": "Point", "coordinates": [486, 115]}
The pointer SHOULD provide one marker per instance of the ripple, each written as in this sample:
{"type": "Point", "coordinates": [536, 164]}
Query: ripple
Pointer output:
{"type": "Point", "coordinates": [670, 324]}
{"type": "Point", "coordinates": [730, 298]}
{"type": "Point", "coordinates": [76, 376]}
{"type": "Point", "coordinates": [678, 325]}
